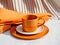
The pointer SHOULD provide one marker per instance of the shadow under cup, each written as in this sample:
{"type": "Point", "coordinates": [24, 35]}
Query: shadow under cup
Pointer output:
{"type": "Point", "coordinates": [30, 23]}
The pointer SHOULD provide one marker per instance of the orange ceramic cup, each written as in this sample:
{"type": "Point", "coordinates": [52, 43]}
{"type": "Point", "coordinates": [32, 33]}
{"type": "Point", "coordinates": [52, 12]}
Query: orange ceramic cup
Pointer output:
{"type": "Point", "coordinates": [31, 22]}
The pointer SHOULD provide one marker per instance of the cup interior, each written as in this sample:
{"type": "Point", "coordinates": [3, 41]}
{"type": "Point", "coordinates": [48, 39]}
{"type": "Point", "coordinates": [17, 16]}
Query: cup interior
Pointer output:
{"type": "Point", "coordinates": [29, 17]}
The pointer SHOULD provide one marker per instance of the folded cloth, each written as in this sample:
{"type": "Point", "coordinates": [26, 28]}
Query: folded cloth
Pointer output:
{"type": "Point", "coordinates": [4, 27]}
{"type": "Point", "coordinates": [45, 16]}
{"type": "Point", "coordinates": [10, 16]}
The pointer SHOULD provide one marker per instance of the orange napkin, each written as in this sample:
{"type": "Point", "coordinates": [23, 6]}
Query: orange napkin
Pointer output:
{"type": "Point", "coordinates": [4, 27]}
{"type": "Point", "coordinates": [8, 16]}
{"type": "Point", "coordinates": [45, 16]}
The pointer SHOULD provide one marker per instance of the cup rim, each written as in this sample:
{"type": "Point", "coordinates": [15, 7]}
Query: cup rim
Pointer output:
{"type": "Point", "coordinates": [26, 16]}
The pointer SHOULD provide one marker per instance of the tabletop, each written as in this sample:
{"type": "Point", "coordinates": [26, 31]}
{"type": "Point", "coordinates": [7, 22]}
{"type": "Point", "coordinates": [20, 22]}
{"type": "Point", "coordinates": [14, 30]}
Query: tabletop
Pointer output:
{"type": "Point", "coordinates": [52, 38]}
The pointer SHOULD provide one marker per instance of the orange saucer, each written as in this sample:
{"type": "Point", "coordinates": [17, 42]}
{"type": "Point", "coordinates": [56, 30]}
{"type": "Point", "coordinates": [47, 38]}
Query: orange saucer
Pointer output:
{"type": "Point", "coordinates": [29, 37]}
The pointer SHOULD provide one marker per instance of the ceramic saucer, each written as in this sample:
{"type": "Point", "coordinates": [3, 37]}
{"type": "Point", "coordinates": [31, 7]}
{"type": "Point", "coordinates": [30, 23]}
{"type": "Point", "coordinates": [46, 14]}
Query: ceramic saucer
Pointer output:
{"type": "Point", "coordinates": [29, 37]}
{"type": "Point", "coordinates": [19, 30]}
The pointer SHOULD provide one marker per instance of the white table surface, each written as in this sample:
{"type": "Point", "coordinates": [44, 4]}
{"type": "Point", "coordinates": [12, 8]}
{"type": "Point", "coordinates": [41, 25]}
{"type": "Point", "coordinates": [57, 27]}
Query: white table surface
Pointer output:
{"type": "Point", "coordinates": [52, 38]}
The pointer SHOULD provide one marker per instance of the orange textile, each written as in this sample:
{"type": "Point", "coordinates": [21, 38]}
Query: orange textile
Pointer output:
{"type": "Point", "coordinates": [8, 16]}
{"type": "Point", "coordinates": [4, 27]}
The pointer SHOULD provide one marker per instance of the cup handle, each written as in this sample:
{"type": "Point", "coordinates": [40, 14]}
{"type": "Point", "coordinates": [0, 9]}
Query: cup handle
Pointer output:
{"type": "Point", "coordinates": [41, 22]}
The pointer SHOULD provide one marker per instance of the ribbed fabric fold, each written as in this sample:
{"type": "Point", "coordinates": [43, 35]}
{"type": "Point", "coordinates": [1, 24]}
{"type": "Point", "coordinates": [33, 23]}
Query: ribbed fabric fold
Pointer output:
{"type": "Point", "coordinates": [32, 6]}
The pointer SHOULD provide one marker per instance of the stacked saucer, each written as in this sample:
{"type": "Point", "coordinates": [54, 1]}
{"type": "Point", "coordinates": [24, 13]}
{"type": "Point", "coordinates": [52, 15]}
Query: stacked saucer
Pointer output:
{"type": "Point", "coordinates": [19, 33]}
